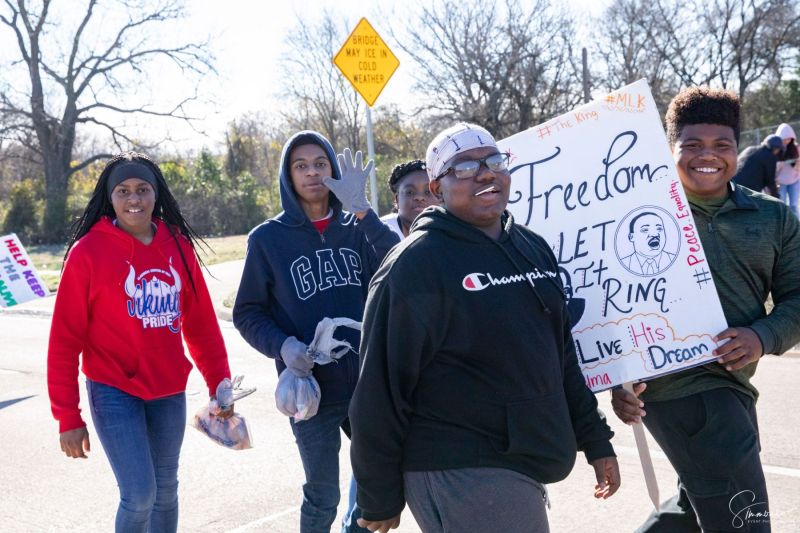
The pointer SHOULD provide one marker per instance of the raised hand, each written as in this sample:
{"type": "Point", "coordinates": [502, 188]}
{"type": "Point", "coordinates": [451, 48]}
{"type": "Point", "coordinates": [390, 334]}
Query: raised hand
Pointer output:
{"type": "Point", "coordinates": [351, 188]}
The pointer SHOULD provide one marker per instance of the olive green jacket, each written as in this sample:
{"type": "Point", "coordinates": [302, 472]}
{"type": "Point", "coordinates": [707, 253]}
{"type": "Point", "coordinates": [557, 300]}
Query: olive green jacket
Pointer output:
{"type": "Point", "coordinates": [752, 248]}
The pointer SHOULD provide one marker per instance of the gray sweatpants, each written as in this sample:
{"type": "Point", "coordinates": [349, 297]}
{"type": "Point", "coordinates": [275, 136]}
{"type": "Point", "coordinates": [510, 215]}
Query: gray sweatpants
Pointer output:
{"type": "Point", "coordinates": [476, 500]}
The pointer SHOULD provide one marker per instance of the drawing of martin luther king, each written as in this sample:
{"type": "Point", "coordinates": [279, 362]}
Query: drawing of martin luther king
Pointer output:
{"type": "Point", "coordinates": [648, 238]}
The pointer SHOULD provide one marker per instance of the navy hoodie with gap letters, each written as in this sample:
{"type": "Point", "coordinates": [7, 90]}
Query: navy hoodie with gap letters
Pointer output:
{"type": "Point", "coordinates": [294, 276]}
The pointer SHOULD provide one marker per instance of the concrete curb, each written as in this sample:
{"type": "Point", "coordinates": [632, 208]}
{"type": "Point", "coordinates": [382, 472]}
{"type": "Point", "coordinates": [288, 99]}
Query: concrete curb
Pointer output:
{"type": "Point", "coordinates": [222, 312]}
{"type": "Point", "coordinates": [8, 311]}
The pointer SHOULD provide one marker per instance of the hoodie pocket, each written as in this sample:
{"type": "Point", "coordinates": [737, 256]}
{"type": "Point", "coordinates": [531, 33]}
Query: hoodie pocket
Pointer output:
{"type": "Point", "coordinates": [159, 370]}
{"type": "Point", "coordinates": [541, 429]}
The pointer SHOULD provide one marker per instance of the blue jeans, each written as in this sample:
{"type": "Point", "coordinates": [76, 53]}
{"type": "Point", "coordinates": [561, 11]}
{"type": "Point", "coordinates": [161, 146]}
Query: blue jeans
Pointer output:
{"type": "Point", "coordinates": [791, 192]}
{"type": "Point", "coordinates": [319, 441]}
{"type": "Point", "coordinates": [142, 440]}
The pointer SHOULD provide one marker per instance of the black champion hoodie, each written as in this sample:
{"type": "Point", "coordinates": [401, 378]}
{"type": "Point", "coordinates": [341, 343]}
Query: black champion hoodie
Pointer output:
{"type": "Point", "coordinates": [467, 361]}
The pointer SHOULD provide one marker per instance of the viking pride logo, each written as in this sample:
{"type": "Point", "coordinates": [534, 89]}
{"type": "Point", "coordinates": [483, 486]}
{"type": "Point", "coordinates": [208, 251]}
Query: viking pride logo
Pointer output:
{"type": "Point", "coordinates": [154, 301]}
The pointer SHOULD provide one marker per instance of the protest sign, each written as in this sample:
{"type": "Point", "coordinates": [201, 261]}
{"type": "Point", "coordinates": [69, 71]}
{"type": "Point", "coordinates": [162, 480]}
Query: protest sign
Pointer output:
{"type": "Point", "coordinates": [600, 185]}
{"type": "Point", "coordinates": [19, 281]}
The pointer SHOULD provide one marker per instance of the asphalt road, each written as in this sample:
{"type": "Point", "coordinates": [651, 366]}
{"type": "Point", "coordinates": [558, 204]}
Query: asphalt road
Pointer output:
{"type": "Point", "coordinates": [259, 489]}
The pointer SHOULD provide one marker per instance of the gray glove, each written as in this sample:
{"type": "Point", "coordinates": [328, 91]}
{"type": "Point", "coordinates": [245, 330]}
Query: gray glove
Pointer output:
{"type": "Point", "coordinates": [351, 188]}
{"type": "Point", "coordinates": [295, 355]}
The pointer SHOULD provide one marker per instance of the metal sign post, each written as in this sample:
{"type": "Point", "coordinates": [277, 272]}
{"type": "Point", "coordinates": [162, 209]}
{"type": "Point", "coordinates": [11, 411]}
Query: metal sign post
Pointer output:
{"type": "Point", "coordinates": [373, 179]}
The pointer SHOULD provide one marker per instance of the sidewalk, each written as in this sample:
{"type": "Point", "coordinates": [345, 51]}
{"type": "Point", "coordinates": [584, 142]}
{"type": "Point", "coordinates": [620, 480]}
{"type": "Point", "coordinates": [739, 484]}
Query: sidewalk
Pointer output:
{"type": "Point", "coordinates": [222, 280]}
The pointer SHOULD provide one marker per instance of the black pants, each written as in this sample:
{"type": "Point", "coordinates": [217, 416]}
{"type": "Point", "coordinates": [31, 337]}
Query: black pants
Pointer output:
{"type": "Point", "coordinates": [711, 439]}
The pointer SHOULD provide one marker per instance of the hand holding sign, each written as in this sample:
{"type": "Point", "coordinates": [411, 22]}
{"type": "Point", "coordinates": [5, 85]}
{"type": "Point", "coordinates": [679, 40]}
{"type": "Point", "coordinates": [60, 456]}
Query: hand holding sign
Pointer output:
{"type": "Point", "coordinates": [743, 348]}
{"type": "Point", "coordinates": [627, 405]}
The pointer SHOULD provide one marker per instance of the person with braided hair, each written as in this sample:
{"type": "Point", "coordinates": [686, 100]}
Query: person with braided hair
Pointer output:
{"type": "Point", "coordinates": [409, 184]}
{"type": "Point", "coordinates": [131, 293]}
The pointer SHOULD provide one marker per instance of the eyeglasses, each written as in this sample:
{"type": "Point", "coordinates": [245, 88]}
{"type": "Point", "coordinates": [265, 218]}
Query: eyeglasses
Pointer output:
{"type": "Point", "coordinates": [413, 193]}
{"type": "Point", "coordinates": [464, 170]}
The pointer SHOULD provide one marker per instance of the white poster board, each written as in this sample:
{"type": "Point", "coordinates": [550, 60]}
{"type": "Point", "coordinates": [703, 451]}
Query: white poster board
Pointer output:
{"type": "Point", "coordinates": [19, 281]}
{"type": "Point", "coordinates": [600, 185]}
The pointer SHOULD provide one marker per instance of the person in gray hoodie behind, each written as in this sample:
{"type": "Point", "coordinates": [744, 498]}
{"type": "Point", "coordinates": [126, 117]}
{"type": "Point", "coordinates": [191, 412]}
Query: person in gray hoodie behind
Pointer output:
{"type": "Point", "coordinates": [313, 260]}
{"type": "Point", "coordinates": [788, 170]}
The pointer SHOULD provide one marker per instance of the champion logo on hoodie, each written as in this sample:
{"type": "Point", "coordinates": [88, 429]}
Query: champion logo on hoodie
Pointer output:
{"type": "Point", "coordinates": [154, 297]}
{"type": "Point", "coordinates": [477, 281]}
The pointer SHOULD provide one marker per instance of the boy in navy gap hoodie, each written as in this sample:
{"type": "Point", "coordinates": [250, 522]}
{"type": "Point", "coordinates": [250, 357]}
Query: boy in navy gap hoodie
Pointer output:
{"type": "Point", "coordinates": [313, 260]}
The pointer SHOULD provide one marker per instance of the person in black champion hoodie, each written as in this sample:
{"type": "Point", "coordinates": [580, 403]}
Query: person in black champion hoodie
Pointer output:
{"type": "Point", "coordinates": [470, 395]}
{"type": "Point", "coordinates": [313, 260]}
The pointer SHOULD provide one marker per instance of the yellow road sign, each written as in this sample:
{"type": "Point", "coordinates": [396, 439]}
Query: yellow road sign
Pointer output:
{"type": "Point", "coordinates": [366, 61]}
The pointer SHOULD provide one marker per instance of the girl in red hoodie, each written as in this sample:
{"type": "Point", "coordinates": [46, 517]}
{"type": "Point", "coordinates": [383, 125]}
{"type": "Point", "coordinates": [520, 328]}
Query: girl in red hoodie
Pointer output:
{"type": "Point", "coordinates": [131, 292]}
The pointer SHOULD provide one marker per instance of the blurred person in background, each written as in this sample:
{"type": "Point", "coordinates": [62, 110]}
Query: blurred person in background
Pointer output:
{"type": "Point", "coordinates": [788, 171]}
{"type": "Point", "coordinates": [409, 184]}
{"type": "Point", "coordinates": [756, 166]}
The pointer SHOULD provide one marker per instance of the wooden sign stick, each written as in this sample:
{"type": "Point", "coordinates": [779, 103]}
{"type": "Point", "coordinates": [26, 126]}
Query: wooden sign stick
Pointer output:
{"type": "Point", "coordinates": [644, 457]}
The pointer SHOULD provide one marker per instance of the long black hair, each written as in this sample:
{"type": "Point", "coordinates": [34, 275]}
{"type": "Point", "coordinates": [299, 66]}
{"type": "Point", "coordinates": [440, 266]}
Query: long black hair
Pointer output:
{"type": "Point", "coordinates": [166, 209]}
{"type": "Point", "coordinates": [790, 152]}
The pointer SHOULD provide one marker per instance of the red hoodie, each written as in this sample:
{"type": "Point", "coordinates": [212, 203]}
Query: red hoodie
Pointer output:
{"type": "Point", "coordinates": [123, 305]}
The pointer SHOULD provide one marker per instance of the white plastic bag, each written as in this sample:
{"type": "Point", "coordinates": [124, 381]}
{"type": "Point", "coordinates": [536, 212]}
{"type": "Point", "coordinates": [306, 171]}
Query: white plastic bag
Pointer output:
{"type": "Point", "coordinates": [229, 432]}
{"type": "Point", "coordinates": [324, 348]}
{"type": "Point", "coordinates": [299, 397]}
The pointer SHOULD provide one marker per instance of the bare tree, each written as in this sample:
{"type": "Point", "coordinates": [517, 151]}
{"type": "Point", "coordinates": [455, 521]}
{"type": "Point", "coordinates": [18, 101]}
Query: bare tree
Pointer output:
{"type": "Point", "coordinates": [505, 66]}
{"type": "Point", "coordinates": [753, 39]}
{"type": "Point", "coordinates": [397, 136]}
{"type": "Point", "coordinates": [317, 94]}
{"type": "Point", "coordinates": [624, 45]}
{"type": "Point", "coordinates": [248, 148]}
{"type": "Point", "coordinates": [77, 75]}
{"type": "Point", "coordinates": [736, 44]}
{"type": "Point", "coordinates": [678, 40]}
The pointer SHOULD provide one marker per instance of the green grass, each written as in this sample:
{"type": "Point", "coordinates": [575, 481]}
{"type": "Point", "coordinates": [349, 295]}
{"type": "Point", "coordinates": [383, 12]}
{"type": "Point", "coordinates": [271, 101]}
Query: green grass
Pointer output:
{"type": "Point", "coordinates": [224, 249]}
{"type": "Point", "coordinates": [47, 258]}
